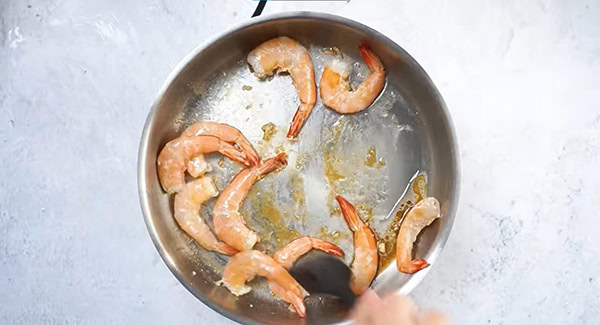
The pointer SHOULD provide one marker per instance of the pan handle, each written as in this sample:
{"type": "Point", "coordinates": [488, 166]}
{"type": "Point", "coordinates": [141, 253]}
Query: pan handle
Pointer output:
{"type": "Point", "coordinates": [259, 8]}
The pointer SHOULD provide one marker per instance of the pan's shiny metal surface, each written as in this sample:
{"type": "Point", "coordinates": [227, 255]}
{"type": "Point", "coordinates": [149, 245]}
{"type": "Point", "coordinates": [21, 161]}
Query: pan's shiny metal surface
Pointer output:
{"type": "Point", "coordinates": [186, 96]}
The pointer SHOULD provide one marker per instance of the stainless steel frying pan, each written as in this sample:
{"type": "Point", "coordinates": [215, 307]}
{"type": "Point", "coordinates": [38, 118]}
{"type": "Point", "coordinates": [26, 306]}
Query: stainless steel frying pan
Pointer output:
{"type": "Point", "coordinates": [408, 125]}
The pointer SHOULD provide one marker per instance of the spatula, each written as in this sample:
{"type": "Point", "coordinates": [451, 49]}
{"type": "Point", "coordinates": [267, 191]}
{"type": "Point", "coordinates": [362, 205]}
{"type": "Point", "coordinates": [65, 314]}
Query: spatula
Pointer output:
{"type": "Point", "coordinates": [320, 273]}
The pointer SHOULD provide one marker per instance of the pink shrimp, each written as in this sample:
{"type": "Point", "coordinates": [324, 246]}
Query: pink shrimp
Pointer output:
{"type": "Point", "coordinates": [419, 217]}
{"type": "Point", "coordinates": [187, 213]}
{"type": "Point", "coordinates": [197, 166]}
{"type": "Point", "coordinates": [175, 156]}
{"type": "Point", "coordinates": [364, 265]}
{"type": "Point", "coordinates": [336, 92]}
{"type": "Point", "coordinates": [244, 266]}
{"type": "Point", "coordinates": [290, 253]}
{"type": "Point", "coordinates": [283, 54]}
{"type": "Point", "coordinates": [229, 224]}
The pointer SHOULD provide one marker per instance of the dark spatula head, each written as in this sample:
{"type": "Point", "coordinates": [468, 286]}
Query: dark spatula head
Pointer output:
{"type": "Point", "coordinates": [320, 273]}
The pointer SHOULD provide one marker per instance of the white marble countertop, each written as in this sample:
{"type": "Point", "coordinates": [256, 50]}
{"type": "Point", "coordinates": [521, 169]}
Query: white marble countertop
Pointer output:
{"type": "Point", "coordinates": [521, 79]}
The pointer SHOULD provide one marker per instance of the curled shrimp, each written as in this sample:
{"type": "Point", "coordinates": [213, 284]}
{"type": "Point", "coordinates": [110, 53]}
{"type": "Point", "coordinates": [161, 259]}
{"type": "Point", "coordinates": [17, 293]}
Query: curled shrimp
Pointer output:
{"type": "Point", "coordinates": [197, 166]}
{"type": "Point", "coordinates": [286, 55]}
{"type": "Point", "coordinates": [175, 156]}
{"type": "Point", "coordinates": [187, 213]}
{"type": "Point", "coordinates": [290, 253]}
{"type": "Point", "coordinates": [364, 265]}
{"type": "Point", "coordinates": [244, 266]}
{"type": "Point", "coordinates": [229, 224]}
{"type": "Point", "coordinates": [336, 92]}
{"type": "Point", "coordinates": [419, 217]}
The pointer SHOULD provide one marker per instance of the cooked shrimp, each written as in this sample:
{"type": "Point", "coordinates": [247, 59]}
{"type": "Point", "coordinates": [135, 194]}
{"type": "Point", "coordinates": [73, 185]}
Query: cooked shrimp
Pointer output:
{"type": "Point", "coordinates": [336, 92]}
{"type": "Point", "coordinates": [197, 166]}
{"type": "Point", "coordinates": [364, 265]}
{"type": "Point", "coordinates": [228, 222]}
{"type": "Point", "coordinates": [286, 55]}
{"type": "Point", "coordinates": [175, 156]}
{"type": "Point", "coordinates": [244, 266]}
{"type": "Point", "coordinates": [419, 217]}
{"type": "Point", "coordinates": [290, 253]}
{"type": "Point", "coordinates": [187, 213]}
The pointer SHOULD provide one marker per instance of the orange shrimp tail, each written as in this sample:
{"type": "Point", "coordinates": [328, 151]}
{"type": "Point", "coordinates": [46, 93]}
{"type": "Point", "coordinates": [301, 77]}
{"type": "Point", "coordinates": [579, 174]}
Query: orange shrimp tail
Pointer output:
{"type": "Point", "coordinates": [232, 153]}
{"type": "Point", "coordinates": [299, 119]}
{"type": "Point", "coordinates": [350, 214]}
{"type": "Point", "coordinates": [326, 247]}
{"type": "Point", "coordinates": [298, 305]}
{"type": "Point", "coordinates": [414, 266]}
{"type": "Point", "coordinates": [250, 153]}
{"type": "Point", "coordinates": [225, 249]}
{"type": "Point", "coordinates": [370, 58]}
{"type": "Point", "coordinates": [272, 164]}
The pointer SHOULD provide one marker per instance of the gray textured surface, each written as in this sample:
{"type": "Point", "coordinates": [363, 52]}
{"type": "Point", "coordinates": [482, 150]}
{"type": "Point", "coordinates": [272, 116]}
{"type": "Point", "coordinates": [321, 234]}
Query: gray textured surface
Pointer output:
{"type": "Point", "coordinates": [521, 79]}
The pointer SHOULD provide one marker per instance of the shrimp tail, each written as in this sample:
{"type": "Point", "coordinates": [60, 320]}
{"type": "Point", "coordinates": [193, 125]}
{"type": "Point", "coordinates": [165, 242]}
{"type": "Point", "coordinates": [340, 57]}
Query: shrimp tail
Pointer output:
{"type": "Point", "coordinates": [232, 153]}
{"type": "Point", "coordinates": [350, 214]}
{"type": "Point", "coordinates": [250, 152]}
{"type": "Point", "coordinates": [414, 266]}
{"type": "Point", "coordinates": [326, 247]}
{"type": "Point", "coordinates": [299, 119]}
{"type": "Point", "coordinates": [370, 58]}
{"type": "Point", "coordinates": [272, 164]}
{"type": "Point", "coordinates": [298, 305]}
{"type": "Point", "coordinates": [225, 249]}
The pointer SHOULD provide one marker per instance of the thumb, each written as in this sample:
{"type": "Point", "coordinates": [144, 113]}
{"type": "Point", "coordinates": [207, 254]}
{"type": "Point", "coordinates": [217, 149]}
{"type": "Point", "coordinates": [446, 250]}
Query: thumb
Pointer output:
{"type": "Point", "coordinates": [364, 308]}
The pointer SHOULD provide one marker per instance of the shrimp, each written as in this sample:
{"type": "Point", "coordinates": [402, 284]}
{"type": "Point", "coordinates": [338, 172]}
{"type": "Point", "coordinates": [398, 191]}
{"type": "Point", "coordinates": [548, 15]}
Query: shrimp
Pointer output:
{"type": "Point", "coordinates": [419, 217]}
{"type": "Point", "coordinates": [228, 222]}
{"type": "Point", "coordinates": [244, 266]}
{"type": "Point", "coordinates": [175, 156]}
{"type": "Point", "coordinates": [290, 253]}
{"type": "Point", "coordinates": [336, 92]}
{"type": "Point", "coordinates": [187, 207]}
{"type": "Point", "coordinates": [286, 55]}
{"type": "Point", "coordinates": [197, 166]}
{"type": "Point", "coordinates": [364, 265]}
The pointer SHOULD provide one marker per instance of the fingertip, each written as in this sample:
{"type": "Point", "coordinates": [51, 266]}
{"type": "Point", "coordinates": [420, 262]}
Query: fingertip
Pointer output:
{"type": "Point", "coordinates": [433, 318]}
{"type": "Point", "coordinates": [369, 297]}
{"type": "Point", "coordinates": [366, 308]}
